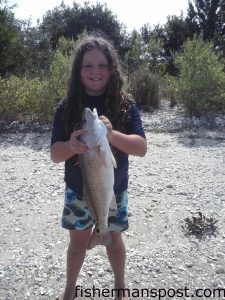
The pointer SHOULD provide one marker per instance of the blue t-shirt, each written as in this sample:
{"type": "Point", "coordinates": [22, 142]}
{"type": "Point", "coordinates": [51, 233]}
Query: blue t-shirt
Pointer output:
{"type": "Point", "coordinates": [73, 176]}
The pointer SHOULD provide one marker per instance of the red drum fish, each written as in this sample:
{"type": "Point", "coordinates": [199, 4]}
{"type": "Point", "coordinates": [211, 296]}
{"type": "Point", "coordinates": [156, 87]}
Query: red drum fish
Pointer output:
{"type": "Point", "coordinates": [97, 167]}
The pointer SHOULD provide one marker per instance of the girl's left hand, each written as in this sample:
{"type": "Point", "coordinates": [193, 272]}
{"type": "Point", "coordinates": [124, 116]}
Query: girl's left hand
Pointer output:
{"type": "Point", "coordinates": [108, 125]}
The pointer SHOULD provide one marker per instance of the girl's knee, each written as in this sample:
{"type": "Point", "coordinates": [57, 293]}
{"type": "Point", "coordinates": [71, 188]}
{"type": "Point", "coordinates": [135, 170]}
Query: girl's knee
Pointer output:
{"type": "Point", "coordinates": [117, 241]}
{"type": "Point", "coordinates": [79, 240]}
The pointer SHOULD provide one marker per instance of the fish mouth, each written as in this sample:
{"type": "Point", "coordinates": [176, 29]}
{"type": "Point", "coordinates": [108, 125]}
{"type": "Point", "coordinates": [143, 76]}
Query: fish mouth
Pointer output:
{"type": "Point", "coordinates": [87, 115]}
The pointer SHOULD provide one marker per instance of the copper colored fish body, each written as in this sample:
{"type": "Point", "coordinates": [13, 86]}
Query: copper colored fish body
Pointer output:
{"type": "Point", "coordinates": [98, 176]}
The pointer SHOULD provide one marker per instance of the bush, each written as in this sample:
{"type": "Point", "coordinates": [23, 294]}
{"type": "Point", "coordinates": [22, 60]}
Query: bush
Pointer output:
{"type": "Point", "coordinates": [22, 99]}
{"type": "Point", "coordinates": [59, 74]}
{"type": "Point", "coordinates": [168, 89]}
{"type": "Point", "coordinates": [28, 99]}
{"type": "Point", "coordinates": [201, 82]}
{"type": "Point", "coordinates": [144, 86]}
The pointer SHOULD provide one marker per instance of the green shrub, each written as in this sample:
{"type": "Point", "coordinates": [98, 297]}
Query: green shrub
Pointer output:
{"type": "Point", "coordinates": [22, 99]}
{"type": "Point", "coordinates": [8, 106]}
{"type": "Point", "coordinates": [27, 99]}
{"type": "Point", "coordinates": [58, 78]}
{"type": "Point", "coordinates": [144, 86]}
{"type": "Point", "coordinates": [201, 82]}
{"type": "Point", "coordinates": [56, 84]}
{"type": "Point", "coordinates": [168, 89]}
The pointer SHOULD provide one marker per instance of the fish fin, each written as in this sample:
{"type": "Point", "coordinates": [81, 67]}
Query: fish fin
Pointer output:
{"type": "Point", "coordinates": [113, 204]}
{"type": "Point", "coordinates": [95, 112]}
{"type": "Point", "coordinates": [102, 155]}
{"type": "Point", "coordinates": [103, 239]}
{"type": "Point", "coordinates": [113, 161]}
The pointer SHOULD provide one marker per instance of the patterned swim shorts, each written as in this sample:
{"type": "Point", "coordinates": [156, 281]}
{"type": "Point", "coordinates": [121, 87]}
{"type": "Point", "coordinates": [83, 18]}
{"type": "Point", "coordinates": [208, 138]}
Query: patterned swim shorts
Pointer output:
{"type": "Point", "coordinates": [77, 216]}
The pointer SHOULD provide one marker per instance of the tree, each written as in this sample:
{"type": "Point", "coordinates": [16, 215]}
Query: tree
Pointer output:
{"type": "Point", "coordinates": [10, 30]}
{"type": "Point", "coordinates": [133, 55]}
{"type": "Point", "coordinates": [165, 40]}
{"type": "Point", "coordinates": [70, 22]}
{"type": "Point", "coordinates": [207, 17]}
{"type": "Point", "coordinates": [36, 53]}
{"type": "Point", "coordinates": [201, 81]}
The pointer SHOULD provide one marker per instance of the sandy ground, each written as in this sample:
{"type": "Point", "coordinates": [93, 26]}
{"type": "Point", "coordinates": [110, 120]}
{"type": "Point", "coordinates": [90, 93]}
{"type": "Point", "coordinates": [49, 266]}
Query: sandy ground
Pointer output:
{"type": "Point", "coordinates": [182, 173]}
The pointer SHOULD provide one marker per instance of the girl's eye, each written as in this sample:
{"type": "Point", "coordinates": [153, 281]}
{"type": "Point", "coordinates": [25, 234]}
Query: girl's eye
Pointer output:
{"type": "Point", "coordinates": [91, 67]}
{"type": "Point", "coordinates": [103, 66]}
{"type": "Point", "coordinates": [87, 67]}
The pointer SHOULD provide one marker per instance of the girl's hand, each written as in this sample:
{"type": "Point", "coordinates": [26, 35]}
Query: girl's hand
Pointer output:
{"type": "Point", "coordinates": [108, 125]}
{"type": "Point", "coordinates": [76, 146]}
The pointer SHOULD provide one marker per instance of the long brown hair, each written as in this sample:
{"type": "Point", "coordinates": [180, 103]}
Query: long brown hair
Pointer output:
{"type": "Point", "coordinates": [117, 101]}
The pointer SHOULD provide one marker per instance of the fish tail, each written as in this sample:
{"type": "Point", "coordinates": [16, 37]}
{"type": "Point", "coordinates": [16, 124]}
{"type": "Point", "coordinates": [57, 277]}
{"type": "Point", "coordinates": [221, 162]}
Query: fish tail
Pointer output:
{"type": "Point", "coordinates": [99, 238]}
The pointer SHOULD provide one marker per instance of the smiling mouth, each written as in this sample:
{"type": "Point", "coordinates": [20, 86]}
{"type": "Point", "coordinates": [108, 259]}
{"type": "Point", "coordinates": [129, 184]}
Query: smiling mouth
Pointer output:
{"type": "Point", "coordinates": [95, 79]}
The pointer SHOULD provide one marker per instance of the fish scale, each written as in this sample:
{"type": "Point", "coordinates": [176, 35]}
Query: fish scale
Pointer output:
{"type": "Point", "coordinates": [94, 189]}
{"type": "Point", "coordinates": [98, 176]}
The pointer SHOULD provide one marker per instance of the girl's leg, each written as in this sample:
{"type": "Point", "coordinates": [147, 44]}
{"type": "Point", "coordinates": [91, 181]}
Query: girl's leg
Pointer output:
{"type": "Point", "coordinates": [75, 257]}
{"type": "Point", "coordinates": [116, 253]}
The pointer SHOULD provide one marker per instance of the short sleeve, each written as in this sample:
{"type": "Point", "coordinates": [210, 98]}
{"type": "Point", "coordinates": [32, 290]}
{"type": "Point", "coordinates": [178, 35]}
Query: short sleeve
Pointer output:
{"type": "Point", "coordinates": [58, 133]}
{"type": "Point", "coordinates": [134, 125]}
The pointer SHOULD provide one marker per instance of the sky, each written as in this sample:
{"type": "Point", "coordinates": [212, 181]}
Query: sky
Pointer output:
{"type": "Point", "coordinates": [132, 13]}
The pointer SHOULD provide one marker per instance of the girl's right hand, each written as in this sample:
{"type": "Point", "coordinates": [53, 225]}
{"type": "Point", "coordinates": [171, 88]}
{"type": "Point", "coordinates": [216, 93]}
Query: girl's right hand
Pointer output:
{"type": "Point", "coordinates": [76, 146]}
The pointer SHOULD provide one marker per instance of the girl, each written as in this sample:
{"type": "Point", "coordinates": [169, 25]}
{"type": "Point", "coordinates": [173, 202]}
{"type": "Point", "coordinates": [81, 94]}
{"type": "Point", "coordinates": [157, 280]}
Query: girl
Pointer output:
{"type": "Point", "coordinates": [95, 81]}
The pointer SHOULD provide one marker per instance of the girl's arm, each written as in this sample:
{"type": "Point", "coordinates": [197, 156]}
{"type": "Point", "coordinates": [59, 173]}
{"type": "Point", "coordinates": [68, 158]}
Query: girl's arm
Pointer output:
{"type": "Point", "coordinates": [62, 151]}
{"type": "Point", "coordinates": [131, 144]}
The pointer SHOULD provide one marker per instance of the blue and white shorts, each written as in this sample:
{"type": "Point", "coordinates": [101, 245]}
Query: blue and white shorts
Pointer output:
{"type": "Point", "coordinates": [77, 216]}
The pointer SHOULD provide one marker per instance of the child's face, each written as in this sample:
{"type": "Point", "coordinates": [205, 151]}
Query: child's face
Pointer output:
{"type": "Point", "coordinates": [94, 72]}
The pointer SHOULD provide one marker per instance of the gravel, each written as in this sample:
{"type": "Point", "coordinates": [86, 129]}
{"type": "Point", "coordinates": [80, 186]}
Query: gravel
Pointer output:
{"type": "Point", "coordinates": [182, 174]}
